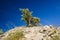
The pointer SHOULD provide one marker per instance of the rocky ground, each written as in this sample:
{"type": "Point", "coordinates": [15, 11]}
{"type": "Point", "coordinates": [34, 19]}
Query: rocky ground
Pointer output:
{"type": "Point", "coordinates": [32, 33]}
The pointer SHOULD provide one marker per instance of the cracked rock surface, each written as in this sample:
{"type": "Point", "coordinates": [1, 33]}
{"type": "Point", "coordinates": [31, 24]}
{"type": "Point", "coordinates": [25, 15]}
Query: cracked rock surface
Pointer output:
{"type": "Point", "coordinates": [34, 33]}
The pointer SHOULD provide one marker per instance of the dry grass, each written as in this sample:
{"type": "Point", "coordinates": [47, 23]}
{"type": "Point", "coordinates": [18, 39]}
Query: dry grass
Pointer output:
{"type": "Point", "coordinates": [15, 36]}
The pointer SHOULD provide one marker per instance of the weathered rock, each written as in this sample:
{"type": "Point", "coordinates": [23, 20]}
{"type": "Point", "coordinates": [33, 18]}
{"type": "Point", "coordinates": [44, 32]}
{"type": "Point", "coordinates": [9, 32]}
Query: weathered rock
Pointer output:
{"type": "Point", "coordinates": [34, 33]}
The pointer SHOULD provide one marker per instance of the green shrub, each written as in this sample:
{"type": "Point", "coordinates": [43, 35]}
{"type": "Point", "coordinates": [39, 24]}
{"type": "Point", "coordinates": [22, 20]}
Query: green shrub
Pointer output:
{"type": "Point", "coordinates": [15, 36]}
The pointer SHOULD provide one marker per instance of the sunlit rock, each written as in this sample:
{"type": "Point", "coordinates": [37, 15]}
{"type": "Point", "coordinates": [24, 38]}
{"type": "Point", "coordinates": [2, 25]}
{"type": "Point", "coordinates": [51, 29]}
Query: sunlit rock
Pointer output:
{"type": "Point", "coordinates": [34, 33]}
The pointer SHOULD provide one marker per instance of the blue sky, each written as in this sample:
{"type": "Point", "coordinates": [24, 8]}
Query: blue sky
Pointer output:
{"type": "Point", "coordinates": [47, 10]}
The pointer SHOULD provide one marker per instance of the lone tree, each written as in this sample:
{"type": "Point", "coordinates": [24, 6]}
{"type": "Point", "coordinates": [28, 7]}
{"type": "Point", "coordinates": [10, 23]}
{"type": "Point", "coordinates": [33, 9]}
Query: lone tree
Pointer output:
{"type": "Point", "coordinates": [28, 18]}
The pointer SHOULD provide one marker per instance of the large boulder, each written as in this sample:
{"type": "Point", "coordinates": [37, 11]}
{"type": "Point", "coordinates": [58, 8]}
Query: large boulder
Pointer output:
{"type": "Point", "coordinates": [32, 33]}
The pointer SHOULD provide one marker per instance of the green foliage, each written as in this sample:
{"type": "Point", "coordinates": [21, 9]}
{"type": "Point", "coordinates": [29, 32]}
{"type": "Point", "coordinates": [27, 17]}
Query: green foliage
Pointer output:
{"type": "Point", "coordinates": [34, 21]}
{"type": "Point", "coordinates": [28, 18]}
{"type": "Point", "coordinates": [15, 36]}
{"type": "Point", "coordinates": [26, 15]}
